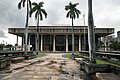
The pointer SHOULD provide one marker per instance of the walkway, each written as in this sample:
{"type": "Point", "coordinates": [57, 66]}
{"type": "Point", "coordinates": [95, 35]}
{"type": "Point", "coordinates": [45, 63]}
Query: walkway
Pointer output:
{"type": "Point", "coordinates": [50, 67]}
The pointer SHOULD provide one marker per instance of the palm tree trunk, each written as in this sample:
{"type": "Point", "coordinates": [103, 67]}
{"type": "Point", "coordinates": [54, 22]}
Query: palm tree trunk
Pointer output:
{"type": "Point", "coordinates": [84, 34]}
{"type": "Point", "coordinates": [37, 39]}
{"type": "Point", "coordinates": [91, 34]}
{"type": "Point", "coordinates": [72, 39]}
{"type": "Point", "coordinates": [26, 28]}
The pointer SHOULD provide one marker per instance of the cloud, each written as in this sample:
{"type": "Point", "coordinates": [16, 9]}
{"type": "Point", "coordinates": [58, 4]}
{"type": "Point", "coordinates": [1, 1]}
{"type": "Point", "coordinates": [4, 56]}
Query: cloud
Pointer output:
{"type": "Point", "coordinates": [106, 13]}
{"type": "Point", "coordinates": [10, 15]}
{"type": "Point", "coordinates": [2, 34]}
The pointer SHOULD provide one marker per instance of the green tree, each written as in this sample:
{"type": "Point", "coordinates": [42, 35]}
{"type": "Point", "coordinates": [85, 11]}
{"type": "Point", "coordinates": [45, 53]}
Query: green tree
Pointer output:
{"type": "Point", "coordinates": [39, 12]}
{"type": "Point", "coordinates": [8, 45]}
{"type": "Point", "coordinates": [22, 4]}
{"type": "Point", "coordinates": [73, 12]}
{"type": "Point", "coordinates": [2, 46]}
{"type": "Point", "coordinates": [115, 45]}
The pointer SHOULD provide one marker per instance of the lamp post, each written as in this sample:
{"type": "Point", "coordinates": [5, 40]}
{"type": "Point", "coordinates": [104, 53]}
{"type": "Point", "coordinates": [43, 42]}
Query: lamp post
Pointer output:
{"type": "Point", "coordinates": [91, 34]}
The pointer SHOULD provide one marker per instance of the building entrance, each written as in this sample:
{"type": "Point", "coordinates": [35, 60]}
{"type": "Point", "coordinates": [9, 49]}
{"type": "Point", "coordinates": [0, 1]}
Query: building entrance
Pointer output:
{"type": "Point", "coordinates": [60, 43]}
{"type": "Point", "coordinates": [48, 43]}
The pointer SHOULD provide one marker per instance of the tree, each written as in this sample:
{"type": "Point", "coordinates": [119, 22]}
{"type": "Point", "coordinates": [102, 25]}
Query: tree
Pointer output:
{"type": "Point", "coordinates": [115, 45]}
{"type": "Point", "coordinates": [91, 34]}
{"type": "Point", "coordinates": [73, 12]}
{"type": "Point", "coordinates": [22, 4]}
{"type": "Point", "coordinates": [5, 46]}
{"type": "Point", "coordinates": [37, 8]}
{"type": "Point", "coordinates": [2, 46]}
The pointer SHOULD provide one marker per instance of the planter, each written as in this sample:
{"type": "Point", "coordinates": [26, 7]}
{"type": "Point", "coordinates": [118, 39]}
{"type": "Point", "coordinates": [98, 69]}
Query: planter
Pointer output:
{"type": "Point", "coordinates": [4, 62]}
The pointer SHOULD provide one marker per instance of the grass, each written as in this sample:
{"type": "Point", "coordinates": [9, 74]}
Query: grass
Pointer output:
{"type": "Point", "coordinates": [68, 55]}
{"type": "Point", "coordinates": [40, 55]}
{"type": "Point", "coordinates": [99, 61]}
{"type": "Point", "coordinates": [76, 55]}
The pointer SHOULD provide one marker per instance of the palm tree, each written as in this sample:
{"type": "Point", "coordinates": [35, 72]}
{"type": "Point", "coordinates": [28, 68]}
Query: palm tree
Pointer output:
{"type": "Point", "coordinates": [22, 4]}
{"type": "Point", "coordinates": [72, 13]}
{"type": "Point", "coordinates": [37, 8]}
{"type": "Point", "coordinates": [91, 34]}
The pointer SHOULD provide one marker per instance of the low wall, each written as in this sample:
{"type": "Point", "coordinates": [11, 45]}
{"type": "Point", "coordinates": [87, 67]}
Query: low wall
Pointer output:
{"type": "Point", "coordinates": [4, 62]}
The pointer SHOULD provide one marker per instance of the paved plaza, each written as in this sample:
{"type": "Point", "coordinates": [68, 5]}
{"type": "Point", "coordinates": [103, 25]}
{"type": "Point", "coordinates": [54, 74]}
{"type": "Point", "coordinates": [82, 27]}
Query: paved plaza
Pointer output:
{"type": "Point", "coordinates": [50, 67]}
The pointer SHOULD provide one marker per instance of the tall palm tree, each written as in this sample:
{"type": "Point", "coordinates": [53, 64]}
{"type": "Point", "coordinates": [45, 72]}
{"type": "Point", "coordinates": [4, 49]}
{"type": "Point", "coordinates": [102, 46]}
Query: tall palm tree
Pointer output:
{"type": "Point", "coordinates": [91, 34]}
{"type": "Point", "coordinates": [73, 12]}
{"type": "Point", "coordinates": [37, 8]}
{"type": "Point", "coordinates": [22, 4]}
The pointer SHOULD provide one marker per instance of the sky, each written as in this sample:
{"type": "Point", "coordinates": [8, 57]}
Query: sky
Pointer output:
{"type": "Point", "coordinates": [106, 15]}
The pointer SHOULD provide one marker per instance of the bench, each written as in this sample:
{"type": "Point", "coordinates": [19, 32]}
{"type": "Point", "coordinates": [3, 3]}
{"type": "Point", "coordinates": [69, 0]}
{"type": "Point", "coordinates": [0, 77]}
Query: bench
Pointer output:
{"type": "Point", "coordinates": [17, 60]}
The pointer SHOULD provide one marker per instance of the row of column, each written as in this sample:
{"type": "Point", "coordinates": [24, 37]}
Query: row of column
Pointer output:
{"type": "Point", "coordinates": [54, 47]}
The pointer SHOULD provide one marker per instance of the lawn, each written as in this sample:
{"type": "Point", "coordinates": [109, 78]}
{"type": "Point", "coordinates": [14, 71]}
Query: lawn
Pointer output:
{"type": "Point", "coordinates": [40, 55]}
{"type": "Point", "coordinates": [99, 61]}
{"type": "Point", "coordinates": [68, 55]}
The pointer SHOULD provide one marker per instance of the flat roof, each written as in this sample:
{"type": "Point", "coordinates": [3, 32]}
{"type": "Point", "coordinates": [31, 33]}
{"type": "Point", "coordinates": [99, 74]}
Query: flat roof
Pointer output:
{"type": "Point", "coordinates": [60, 30]}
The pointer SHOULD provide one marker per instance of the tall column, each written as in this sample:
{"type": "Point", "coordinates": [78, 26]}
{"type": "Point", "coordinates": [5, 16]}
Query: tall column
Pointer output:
{"type": "Point", "coordinates": [105, 43]}
{"type": "Point", "coordinates": [16, 46]}
{"type": "Point", "coordinates": [41, 42]}
{"type": "Point", "coordinates": [53, 43]}
{"type": "Point", "coordinates": [23, 42]}
{"type": "Point", "coordinates": [66, 43]}
{"type": "Point", "coordinates": [79, 42]}
{"type": "Point", "coordinates": [29, 42]}
{"type": "Point", "coordinates": [17, 40]}
{"type": "Point", "coordinates": [100, 44]}
{"type": "Point", "coordinates": [37, 43]}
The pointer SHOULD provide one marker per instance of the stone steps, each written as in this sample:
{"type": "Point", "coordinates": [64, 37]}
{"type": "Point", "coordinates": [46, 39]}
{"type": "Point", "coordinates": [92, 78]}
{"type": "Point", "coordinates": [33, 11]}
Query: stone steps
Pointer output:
{"type": "Point", "coordinates": [107, 76]}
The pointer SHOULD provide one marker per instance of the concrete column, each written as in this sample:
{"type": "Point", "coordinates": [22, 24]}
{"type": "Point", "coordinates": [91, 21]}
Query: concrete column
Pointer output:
{"type": "Point", "coordinates": [53, 43]}
{"type": "Point", "coordinates": [100, 44]}
{"type": "Point", "coordinates": [37, 43]}
{"type": "Point", "coordinates": [66, 43]}
{"type": "Point", "coordinates": [105, 43]}
{"type": "Point", "coordinates": [23, 43]}
{"type": "Point", "coordinates": [17, 40]}
{"type": "Point", "coordinates": [16, 46]}
{"type": "Point", "coordinates": [79, 42]}
{"type": "Point", "coordinates": [29, 42]}
{"type": "Point", "coordinates": [41, 42]}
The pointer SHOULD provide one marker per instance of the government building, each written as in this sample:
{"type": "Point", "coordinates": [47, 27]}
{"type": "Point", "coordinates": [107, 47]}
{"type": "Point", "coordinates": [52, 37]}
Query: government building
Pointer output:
{"type": "Point", "coordinates": [59, 38]}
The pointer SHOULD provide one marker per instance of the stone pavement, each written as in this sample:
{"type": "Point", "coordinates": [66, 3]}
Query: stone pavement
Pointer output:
{"type": "Point", "coordinates": [107, 76]}
{"type": "Point", "coordinates": [50, 67]}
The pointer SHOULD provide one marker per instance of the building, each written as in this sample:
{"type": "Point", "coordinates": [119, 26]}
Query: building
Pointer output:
{"type": "Point", "coordinates": [118, 37]}
{"type": "Point", "coordinates": [107, 40]}
{"type": "Point", "coordinates": [58, 38]}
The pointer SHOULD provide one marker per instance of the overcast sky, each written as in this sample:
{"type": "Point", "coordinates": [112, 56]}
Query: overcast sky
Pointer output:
{"type": "Point", "coordinates": [106, 15]}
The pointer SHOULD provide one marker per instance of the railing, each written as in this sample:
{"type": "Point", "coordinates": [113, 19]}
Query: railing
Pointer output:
{"type": "Point", "coordinates": [59, 30]}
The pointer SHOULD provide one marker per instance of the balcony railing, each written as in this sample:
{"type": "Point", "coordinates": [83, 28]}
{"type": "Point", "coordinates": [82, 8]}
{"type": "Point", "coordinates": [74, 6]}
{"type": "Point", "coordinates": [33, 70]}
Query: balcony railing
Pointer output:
{"type": "Point", "coordinates": [59, 30]}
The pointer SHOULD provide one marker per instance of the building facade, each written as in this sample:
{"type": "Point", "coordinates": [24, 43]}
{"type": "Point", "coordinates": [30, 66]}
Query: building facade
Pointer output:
{"type": "Point", "coordinates": [59, 38]}
{"type": "Point", "coordinates": [118, 37]}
